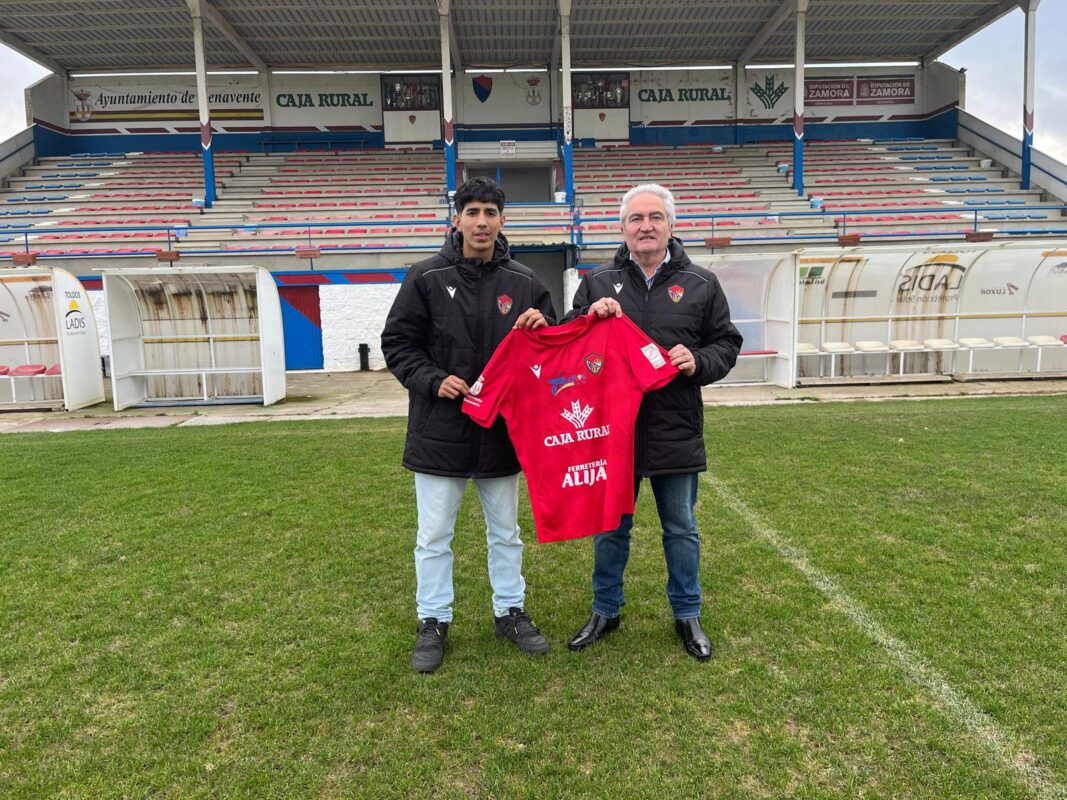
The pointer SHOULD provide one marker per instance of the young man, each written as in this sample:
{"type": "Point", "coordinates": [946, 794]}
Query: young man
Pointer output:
{"type": "Point", "coordinates": [681, 307]}
{"type": "Point", "coordinates": [449, 316]}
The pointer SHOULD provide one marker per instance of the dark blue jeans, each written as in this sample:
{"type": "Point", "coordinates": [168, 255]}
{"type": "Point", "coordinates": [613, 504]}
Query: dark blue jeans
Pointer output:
{"type": "Point", "coordinates": [676, 495]}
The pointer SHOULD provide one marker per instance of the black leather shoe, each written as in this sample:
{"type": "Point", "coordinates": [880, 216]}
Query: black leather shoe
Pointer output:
{"type": "Point", "coordinates": [696, 642]}
{"type": "Point", "coordinates": [593, 631]}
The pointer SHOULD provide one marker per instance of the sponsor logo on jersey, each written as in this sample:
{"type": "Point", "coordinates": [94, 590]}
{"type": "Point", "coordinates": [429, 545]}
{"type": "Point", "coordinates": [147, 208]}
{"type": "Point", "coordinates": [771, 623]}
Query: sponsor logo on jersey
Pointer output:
{"type": "Point", "coordinates": [503, 303]}
{"type": "Point", "coordinates": [451, 291]}
{"type": "Point", "coordinates": [536, 368]}
{"type": "Point", "coordinates": [564, 382]}
{"type": "Point", "coordinates": [594, 362]}
{"type": "Point", "coordinates": [576, 415]}
{"type": "Point", "coordinates": [651, 352]}
{"type": "Point", "coordinates": [676, 292]}
{"type": "Point", "coordinates": [585, 474]}
{"type": "Point", "coordinates": [579, 435]}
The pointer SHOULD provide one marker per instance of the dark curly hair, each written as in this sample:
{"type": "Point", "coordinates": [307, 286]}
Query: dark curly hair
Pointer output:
{"type": "Point", "coordinates": [479, 190]}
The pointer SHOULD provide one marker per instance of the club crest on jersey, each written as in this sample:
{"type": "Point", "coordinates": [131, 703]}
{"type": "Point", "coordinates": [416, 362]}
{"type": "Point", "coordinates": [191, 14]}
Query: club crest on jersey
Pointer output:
{"type": "Point", "coordinates": [594, 362]}
{"type": "Point", "coordinates": [564, 382]}
{"type": "Point", "coordinates": [676, 292]}
{"type": "Point", "coordinates": [503, 303]}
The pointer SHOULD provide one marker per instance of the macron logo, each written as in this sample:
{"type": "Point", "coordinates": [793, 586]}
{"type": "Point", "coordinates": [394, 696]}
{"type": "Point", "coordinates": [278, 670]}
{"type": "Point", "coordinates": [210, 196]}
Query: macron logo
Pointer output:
{"type": "Point", "coordinates": [451, 291]}
{"type": "Point", "coordinates": [618, 287]}
{"type": "Point", "coordinates": [536, 370]}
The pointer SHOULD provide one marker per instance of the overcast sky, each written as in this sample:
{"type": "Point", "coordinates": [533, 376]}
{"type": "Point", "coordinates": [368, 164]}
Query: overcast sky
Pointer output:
{"type": "Point", "coordinates": [993, 58]}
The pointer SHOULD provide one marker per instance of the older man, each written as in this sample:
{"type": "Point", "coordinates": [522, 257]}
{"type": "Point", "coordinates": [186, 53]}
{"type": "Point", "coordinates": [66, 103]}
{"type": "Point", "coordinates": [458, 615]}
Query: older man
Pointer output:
{"type": "Point", "coordinates": [682, 307]}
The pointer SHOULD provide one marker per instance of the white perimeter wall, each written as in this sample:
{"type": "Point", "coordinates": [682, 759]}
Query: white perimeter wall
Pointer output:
{"type": "Point", "coordinates": [352, 315]}
{"type": "Point", "coordinates": [99, 304]}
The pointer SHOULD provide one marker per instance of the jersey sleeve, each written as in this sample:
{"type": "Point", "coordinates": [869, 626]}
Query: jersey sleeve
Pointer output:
{"type": "Point", "coordinates": [485, 400]}
{"type": "Point", "coordinates": [648, 361]}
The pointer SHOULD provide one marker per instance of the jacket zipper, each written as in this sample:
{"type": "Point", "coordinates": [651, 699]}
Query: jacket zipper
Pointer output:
{"type": "Point", "coordinates": [476, 440]}
{"type": "Point", "coordinates": [646, 319]}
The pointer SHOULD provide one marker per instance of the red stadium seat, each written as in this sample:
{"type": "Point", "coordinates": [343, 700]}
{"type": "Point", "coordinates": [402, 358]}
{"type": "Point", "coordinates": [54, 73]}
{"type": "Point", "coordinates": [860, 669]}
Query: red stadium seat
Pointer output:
{"type": "Point", "coordinates": [28, 370]}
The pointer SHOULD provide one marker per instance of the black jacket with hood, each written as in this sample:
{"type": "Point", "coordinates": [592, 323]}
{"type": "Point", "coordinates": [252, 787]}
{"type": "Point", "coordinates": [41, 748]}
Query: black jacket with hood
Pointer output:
{"type": "Point", "coordinates": [685, 305]}
{"type": "Point", "coordinates": [447, 319]}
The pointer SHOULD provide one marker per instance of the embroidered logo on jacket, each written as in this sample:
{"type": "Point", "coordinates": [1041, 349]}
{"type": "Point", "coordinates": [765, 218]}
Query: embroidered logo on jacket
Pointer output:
{"type": "Point", "coordinates": [594, 362]}
{"type": "Point", "coordinates": [676, 292]}
{"type": "Point", "coordinates": [451, 291]}
{"type": "Point", "coordinates": [503, 303]}
{"type": "Point", "coordinates": [618, 287]}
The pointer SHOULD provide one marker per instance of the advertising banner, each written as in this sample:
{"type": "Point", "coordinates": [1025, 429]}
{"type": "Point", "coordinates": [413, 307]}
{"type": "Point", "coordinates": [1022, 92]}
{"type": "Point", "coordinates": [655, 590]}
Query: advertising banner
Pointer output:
{"type": "Point", "coordinates": [162, 101]}
{"type": "Point", "coordinates": [889, 91]}
{"type": "Point", "coordinates": [682, 97]}
{"type": "Point", "coordinates": [830, 94]}
{"type": "Point", "coordinates": [83, 381]}
{"type": "Point", "coordinates": [829, 91]}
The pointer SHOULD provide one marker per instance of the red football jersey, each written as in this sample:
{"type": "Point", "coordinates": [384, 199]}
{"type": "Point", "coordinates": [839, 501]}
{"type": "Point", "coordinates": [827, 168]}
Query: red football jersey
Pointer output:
{"type": "Point", "coordinates": [570, 397]}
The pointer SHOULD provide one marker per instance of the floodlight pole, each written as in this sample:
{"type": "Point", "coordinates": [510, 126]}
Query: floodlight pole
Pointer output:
{"type": "Point", "coordinates": [1030, 12]}
{"type": "Point", "coordinates": [798, 99]}
{"type": "Point", "coordinates": [201, 99]}
{"type": "Point", "coordinates": [446, 95]}
{"type": "Point", "coordinates": [568, 101]}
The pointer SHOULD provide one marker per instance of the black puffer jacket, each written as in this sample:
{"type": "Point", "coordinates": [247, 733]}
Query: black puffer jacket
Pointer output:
{"type": "Point", "coordinates": [686, 306]}
{"type": "Point", "coordinates": [447, 319]}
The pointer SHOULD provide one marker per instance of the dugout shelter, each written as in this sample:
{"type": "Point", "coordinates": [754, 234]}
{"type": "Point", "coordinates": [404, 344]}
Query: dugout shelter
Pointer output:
{"type": "Point", "coordinates": [868, 315]}
{"type": "Point", "coordinates": [194, 335]}
{"type": "Point", "coordinates": [49, 350]}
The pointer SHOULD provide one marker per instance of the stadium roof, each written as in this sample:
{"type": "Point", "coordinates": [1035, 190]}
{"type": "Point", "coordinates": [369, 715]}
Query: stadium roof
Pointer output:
{"type": "Point", "coordinates": [148, 35]}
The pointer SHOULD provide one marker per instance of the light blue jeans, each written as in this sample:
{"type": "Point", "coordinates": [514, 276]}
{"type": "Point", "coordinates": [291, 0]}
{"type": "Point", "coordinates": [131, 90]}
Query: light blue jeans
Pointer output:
{"type": "Point", "coordinates": [438, 499]}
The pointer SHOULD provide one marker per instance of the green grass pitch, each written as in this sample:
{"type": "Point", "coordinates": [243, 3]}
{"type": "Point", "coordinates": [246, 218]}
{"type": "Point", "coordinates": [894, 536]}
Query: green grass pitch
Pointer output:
{"type": "Point", "coordinates": [227, 612]}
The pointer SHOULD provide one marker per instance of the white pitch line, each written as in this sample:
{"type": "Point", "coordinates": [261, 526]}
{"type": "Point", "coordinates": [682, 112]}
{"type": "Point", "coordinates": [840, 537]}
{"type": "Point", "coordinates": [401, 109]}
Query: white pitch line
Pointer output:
{"type": "Point", "coordinates": [1006, 751]}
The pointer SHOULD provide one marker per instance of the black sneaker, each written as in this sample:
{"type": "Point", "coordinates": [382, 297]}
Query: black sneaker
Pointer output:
{"type": "Point", "coordinates": [517, 626]}
{"type": "Point", "coordinates": [430, 645]}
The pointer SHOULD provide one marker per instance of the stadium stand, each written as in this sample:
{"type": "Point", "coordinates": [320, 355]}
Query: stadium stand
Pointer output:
{"type": "Point", "coordinates": [347, 175]}
{"type": "Point", "coordinates": [399, 197]}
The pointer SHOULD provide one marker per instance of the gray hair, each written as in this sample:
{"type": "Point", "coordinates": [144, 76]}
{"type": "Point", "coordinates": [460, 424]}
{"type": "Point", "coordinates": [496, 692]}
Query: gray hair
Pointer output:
{"type": "Point", "coordinates": [662, 192]}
